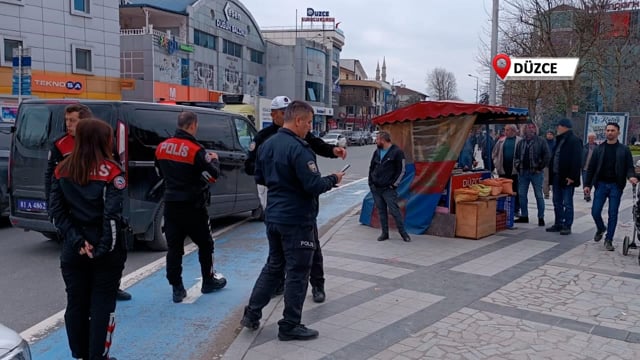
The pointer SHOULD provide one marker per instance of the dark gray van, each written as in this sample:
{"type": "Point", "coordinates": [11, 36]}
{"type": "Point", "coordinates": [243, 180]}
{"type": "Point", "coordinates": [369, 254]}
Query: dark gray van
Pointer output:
{"type": "Point", "coordinates": [139, 128]}
{"type": "Point", "coordinates": [5, 143]}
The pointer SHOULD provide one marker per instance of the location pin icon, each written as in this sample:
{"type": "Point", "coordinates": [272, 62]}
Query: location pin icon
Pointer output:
{"type": "Point", "coordinates": [501, 68]}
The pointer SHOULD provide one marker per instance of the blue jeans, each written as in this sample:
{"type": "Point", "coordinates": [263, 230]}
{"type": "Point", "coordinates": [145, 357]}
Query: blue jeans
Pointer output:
{"type": "Point", "coordinates": [536, 179]}
{"type": "Point", "coordinates": [603, 191]}
{"type": "Point", "coordinates": [562, 203]}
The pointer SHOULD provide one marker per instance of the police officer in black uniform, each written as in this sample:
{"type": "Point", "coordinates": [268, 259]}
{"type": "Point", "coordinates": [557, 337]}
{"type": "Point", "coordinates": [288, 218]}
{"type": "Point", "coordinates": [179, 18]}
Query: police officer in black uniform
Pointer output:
{"type": "Point", "coordinates": [188, 169]}
{"type": "Point", "coordinates": [86, 207]}
{"type": "Point", "coordinates": [287, 166]}
{"type": "Point", "coordinates": [278, 106]}
{"type": "Point", "coordinates": [62, 147]}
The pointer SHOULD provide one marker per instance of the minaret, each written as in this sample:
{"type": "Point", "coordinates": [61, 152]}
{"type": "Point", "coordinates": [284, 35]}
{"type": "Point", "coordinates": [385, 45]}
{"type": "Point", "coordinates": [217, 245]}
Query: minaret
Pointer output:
{"type": "Point", "coordinates": [384, 69]}
{"type": "Point", "coordinates": [378, 71]}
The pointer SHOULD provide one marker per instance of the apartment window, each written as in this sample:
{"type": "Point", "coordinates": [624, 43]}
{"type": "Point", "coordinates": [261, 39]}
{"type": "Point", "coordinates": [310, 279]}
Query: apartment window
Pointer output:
{"type": "Point", "coordinates": [82, 59]}
{"type": "Point", "coordinates": [203, 39]}
{"type": "Point", "coordinates": [256, 56]}
{"type": "Point", "coordinates": [132, 65]}
{"type": "Point", "coordinates": [80, 7]}
{"type": "Point", "coordinates": [314, 91]}
{"type": "Point", "coordinates": [7, 48]}
{"type": "Point", "coordinates": [231, 48]}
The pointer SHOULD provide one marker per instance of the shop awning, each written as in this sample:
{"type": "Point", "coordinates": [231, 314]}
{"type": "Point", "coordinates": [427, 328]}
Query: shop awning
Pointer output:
{"type": "Point", "coordinates": [486, 114]}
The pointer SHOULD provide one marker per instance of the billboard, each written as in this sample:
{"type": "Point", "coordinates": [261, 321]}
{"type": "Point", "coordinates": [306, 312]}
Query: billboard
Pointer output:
{"type": "Point", "coordinates": [596, 122]}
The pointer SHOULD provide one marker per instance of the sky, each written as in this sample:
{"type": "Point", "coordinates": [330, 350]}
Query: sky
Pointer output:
{"type": "Point", "coordinates": [415, 36]}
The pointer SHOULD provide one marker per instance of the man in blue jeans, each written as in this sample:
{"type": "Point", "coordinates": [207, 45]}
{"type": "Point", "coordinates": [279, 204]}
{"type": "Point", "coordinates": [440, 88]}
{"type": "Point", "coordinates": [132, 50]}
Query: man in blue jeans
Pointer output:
{"type": "Point", "coordinates": [610, 166]}
{"type": "Point", "coordinates": [564, 174]}
{"type": "Point", "coordinates": [531, 158]}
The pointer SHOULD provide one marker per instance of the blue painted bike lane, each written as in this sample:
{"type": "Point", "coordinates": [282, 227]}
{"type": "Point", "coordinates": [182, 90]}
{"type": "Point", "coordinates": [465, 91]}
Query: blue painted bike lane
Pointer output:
{"type": "Point", "coordinates": [151, 326]}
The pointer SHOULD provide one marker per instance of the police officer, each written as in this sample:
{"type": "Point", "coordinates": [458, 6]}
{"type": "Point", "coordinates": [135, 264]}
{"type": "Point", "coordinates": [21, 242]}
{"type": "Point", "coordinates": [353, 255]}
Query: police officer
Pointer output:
{"type": "Point", "coordinates": [62, 147]}
{"type": "Point", "coordinates": [188, 170]}
{"type": "Point", "coordinates": [287, 166]}
{"type": "Point", "coordinates": [278, 106]}
{"type": "Point", "coordinates": [86, 207]}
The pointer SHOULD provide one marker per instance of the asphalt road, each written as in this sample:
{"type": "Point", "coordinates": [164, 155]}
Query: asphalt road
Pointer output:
{"type": "Point", "coordinates": [31, 287]}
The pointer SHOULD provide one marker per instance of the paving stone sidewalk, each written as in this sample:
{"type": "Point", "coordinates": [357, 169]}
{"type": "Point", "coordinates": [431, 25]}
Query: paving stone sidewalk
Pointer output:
{"type": "Point", "coordinates": [519, 294]}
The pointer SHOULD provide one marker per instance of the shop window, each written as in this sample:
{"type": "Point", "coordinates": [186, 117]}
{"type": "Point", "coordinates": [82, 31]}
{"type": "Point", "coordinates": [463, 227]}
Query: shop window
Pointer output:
{"type": "Point", "coordinates": [80, 7]}
{"type": "Point", "coordinates": [256, 56]}
{"type": "Point", "coordinates": [82, 59]}
{"type": "Point", "coordinates": [8, 46]}
{"type": "Point", "coordinates": [314, 91]}
{"type": "Point", "coordinates": [204, 39]}
{"type": "Point", "coordinates": [231, 48]}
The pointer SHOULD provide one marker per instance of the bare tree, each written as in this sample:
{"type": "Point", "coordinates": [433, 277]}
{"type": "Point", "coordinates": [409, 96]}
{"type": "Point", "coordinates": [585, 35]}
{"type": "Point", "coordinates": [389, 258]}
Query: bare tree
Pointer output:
{"type": "Point", "coordinates": [441, 84]}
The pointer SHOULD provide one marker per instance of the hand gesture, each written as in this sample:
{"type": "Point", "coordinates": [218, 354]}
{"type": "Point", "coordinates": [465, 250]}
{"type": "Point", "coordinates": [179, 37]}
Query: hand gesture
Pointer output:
{"type": "Point", "coordinates": [87, 249]}
{"type": "Point", "coordinates": [339, 175]}
{"type": "Point", "coordinates": [212, 155]}
{"type": "Point", "coordinates": [587, 191]}
{"type": "Point", "coordinates": [633, 180]}
{"type": "Point", "coordinates": [340, 152]}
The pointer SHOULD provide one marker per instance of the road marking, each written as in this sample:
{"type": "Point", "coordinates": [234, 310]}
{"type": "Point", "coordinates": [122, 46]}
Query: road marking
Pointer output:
{"type": "Point", "coordinates": [346, 185]}
{"type": "Point", "coordinates": [360, 192]}
{"type": "Point", "coordinates": [193, 293]}
{"type": "Point", "coordinates": [55, 321]}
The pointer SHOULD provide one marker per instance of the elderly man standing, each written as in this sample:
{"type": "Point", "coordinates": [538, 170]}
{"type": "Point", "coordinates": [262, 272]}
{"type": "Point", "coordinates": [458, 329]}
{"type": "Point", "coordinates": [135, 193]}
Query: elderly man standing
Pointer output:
{"type": "Point", "coordinates": [532, 157]}
{"type": "Point", "coordinates": [503, 157]}
{"type": "Point", "coordinates": [564, 173]}
{"type": "Point", "coordinates": [587, 152]}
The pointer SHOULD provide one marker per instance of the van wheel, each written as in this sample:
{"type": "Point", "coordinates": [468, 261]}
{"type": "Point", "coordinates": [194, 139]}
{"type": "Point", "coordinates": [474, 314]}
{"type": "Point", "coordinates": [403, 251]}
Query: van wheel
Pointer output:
{"type": "Point", "coordinates": [258, 214]}
{"type": "Point", "coordinates": [159, 242]}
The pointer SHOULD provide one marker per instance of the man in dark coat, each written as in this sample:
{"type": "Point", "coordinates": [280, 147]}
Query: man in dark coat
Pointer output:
{"type": "Point", "coordinates": [564, 175]}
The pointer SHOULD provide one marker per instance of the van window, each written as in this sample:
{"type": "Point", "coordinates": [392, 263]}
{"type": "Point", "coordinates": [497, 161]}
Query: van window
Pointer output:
{"type": "Point", "coordinates": [245, 133]}
{"type": "Point", "coordinates": [147, 129]}
{"type": "Point", "coordinates": [5, 137]}
{"type": "Point", "coordinates": [214, 132]}
{"type": "Point", "coordinates": [33, 127]}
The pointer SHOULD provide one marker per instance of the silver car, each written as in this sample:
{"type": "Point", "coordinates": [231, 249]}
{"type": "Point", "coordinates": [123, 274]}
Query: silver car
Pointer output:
{"type": "Point", "coordinates": [12, 346]}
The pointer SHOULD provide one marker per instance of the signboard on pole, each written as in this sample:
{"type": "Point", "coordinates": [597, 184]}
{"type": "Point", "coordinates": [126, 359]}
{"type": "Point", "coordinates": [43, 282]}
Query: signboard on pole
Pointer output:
{"type": "Point", "coordinates": [596, 122]}
{"type": "Point", "coordinates": [21, 80]}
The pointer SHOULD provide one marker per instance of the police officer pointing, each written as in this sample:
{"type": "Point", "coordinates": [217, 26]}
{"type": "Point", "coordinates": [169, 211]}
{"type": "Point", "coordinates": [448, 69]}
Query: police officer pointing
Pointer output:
{"type": "Point", "coordinates": [287, 166]}
{"type": "Point", "coordinates": [278, 106]}
{"type": "Point", "coordinates": [188, 170]}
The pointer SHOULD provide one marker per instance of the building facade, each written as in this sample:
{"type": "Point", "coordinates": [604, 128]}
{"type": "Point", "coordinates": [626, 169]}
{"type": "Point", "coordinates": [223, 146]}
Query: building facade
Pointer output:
{"type": "Point", "coordinates": [186, 50]}
{"type": "Point", "coordinates": [70, 49]}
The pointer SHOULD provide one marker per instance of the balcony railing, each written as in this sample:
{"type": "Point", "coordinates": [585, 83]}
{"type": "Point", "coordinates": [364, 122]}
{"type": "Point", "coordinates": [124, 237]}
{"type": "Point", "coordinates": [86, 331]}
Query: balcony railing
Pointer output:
{"type": "Point", "coordinates": [156, 33]}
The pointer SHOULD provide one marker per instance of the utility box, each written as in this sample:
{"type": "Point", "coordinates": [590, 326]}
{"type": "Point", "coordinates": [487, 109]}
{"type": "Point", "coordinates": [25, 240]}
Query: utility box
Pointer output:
{"type": "Point", "coordinates": [476, 219]}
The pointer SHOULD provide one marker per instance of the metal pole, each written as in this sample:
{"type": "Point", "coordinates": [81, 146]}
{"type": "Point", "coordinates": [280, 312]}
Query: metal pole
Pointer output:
{"type": "Point", "coordinates": [494, 52]}
{"type": "Point", "coordinates": [477, 85]}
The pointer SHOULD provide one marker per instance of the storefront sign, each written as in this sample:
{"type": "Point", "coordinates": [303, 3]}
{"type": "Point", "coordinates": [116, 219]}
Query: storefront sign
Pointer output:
{"type": "Point", "coordinates": [313, 13]}
{"type": "Point", "coordinates": [615, 6]}
{"type": "Point", "coordinates": [231, 13]}
{"type": "Point", "coordinates": [597, 123]}
{"type": "Point", "coordinates": [226, 25]}
{"type": "Point", "coordinates": [171, 45]}
{"type": "Point", "coordinates": [323, 111]}
{"type": "Point", "coordinates": [317, 16]}
{"type": "Point", "coordinates": [186, 48]}
{"type": "Point", "coordinates": [59, 84]}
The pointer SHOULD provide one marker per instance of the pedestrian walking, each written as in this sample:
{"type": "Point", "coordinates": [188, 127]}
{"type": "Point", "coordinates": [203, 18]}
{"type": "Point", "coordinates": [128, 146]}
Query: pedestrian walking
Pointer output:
{"type": "Point", "coordinates": [86, 207]}
{"type": "Point", "coordinates": [503, 157]}
{"type": "Point", "coordinates": [551, 143]}
{"type": "Point", "coordinates": [188, 170]}
{"type": "Point", "coordinates": [287, 167]}
{"type": "Point", "coordinates": [278, 106]}
{"type": "Point", "coordinates": [531, 158]}
{"type": "Point", "coordinates": [609, 168]}
{"type": "Point", "coordinates": [564, 175]}
{"type": "Point", "coordinates": [587, 153]}
{"type": "Point", "coordinates": [62, 148]}
{"type": "Point", "coordinates": [385, 173]}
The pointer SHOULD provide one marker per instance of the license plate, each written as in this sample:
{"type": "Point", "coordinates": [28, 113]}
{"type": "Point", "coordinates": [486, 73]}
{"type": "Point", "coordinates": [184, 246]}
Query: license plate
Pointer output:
{"type": "Point", "coordinates": [32, 205]}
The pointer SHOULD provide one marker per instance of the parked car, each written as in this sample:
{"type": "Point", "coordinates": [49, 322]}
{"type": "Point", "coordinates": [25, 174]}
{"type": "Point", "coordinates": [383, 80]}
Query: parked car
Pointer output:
{"type": "Point", "coordinates": [335, 139]}
{"type": "Point", "coordinates": [12, 346]}
{"type": "Point", "coordinates": [374, 135]}
{"type": "Point", "coordinates": [358, 138]}
{"type": "Point", "coordinates": [139, 128]}
{"type": "Point", "coordinates": [5, 144]}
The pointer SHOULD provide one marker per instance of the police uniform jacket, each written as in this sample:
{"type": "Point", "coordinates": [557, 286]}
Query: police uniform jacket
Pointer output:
{"type": "Point", "coordinates": [91, 212]}
{"type": "Point", "coordinates": [60, 148]}
{"type": "Point", "coordinates": [287, 167]}
{"type": "Point", "coordinates": [317, 145]}
{"type": "Point", "coordinates": [186, 167]}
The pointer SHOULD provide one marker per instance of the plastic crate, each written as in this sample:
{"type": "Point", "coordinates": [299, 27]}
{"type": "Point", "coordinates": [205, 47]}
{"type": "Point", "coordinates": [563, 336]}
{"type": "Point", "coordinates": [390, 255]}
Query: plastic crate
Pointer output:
{"type": "Point", "coordinates": [501, 221]}
{"type": "Point", "coordinates": [507, 204]}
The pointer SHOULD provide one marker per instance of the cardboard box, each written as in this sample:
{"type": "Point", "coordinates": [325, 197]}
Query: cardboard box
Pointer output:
{"type": "Point", "coordinates": [476, 219]}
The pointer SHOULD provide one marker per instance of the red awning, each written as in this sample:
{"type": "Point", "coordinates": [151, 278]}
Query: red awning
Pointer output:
{"type": "Point", "coordinates": [486, 114]}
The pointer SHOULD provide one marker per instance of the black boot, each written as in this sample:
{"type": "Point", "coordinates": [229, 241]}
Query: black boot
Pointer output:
{"type": "Point", "coordinates": [405, 236]}
{"type": "Point", "coordinates": [384, 236]}
{"type": "Point", "coordinates": [249, 323]}
{"type": "Point", "coordinates": [215, 282]}
{"type": "Point", "coordinates": [179, 293]}
{"type": "Point", "coordinates": [299, 332]}
{"type": "Point", "coordinates": [318, 294]}
{"type": "Point", "coordinates": [122, 295]}
{"type": "Point", "coordinates": [522, 220]}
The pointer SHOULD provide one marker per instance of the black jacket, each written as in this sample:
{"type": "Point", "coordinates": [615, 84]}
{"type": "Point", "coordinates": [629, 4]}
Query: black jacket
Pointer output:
{"type": "Point", "coordinates": [569, 148]}
{"type": "Point", "coordinates": [60, 148]}
{"type": "Point", "coordinates": [186, 168]}
{"type": "Point", "coordinates": [538, 151]}
{"type": "Point", "coordinates": [624, 165]}
{"type": "Point", "coordinates": [287, 167]}
{"type": "Point", "coordinates": [317, 145]}
{"type": "Point", "coordinates": [92, 212]}
{"type": "Point", "coordinates": [388, 171]}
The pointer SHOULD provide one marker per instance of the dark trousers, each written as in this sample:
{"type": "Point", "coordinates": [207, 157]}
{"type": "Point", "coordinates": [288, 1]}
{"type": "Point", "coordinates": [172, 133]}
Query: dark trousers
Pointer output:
{"type": "Point", "coordinates": [91, 286]}
{"type": "Point", "coordinates": [181, 220]}
{"type": "Point", "coordinates": [604, 191]}
{"type": "Point", "coordinates": [291, 251]}
{"type": "Point", "coordinates": [516, 187]}
{"type": "Point", "coordinates": [316, 278]}
{"type": "Point", "coordinates": [562, 203]}
{"type": "Point", "coordinates": [387, 199]}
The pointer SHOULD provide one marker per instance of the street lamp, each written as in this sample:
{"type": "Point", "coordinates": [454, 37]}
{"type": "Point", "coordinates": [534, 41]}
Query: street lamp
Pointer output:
{"type": "Point", "coordinates": [473, 76]}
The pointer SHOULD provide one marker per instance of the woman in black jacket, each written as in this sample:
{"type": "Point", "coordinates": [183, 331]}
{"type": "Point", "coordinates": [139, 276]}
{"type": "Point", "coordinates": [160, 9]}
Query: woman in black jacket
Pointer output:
{"type": "Point", "coordinates": [86, 207]}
